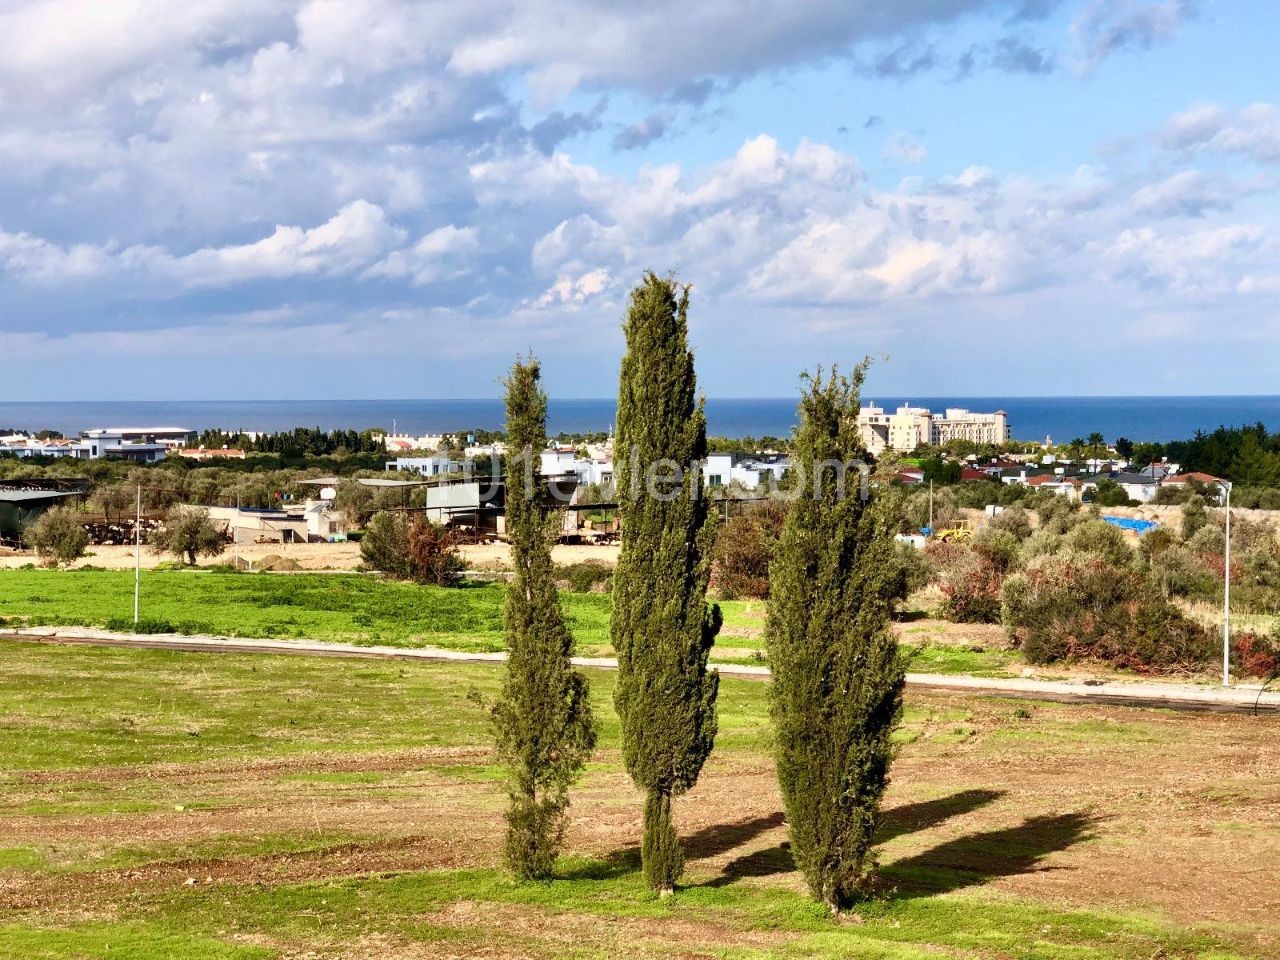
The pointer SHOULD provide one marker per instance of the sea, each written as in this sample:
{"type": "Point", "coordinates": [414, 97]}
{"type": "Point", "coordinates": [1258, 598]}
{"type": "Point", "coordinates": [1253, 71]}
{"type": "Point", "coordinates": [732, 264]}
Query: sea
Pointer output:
{"type": "Point", "coordinates": [1153, 419]}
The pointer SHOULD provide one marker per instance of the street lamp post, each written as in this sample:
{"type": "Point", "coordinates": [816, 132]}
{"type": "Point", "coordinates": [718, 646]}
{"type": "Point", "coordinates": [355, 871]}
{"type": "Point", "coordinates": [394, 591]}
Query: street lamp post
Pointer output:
{"type": "Point", "coordinates": [137, 555]}
{"type": "Point", "coordinates": [1226, 597]}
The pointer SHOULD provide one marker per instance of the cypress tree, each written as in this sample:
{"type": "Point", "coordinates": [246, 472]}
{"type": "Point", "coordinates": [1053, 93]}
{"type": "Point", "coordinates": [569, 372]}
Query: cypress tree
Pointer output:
{"type": "Point", "coordinates": [836, 694]}
{"type": "Point", "coordinates": [542, 723]}
{"type": "Point", "coordinates": [662, 626]}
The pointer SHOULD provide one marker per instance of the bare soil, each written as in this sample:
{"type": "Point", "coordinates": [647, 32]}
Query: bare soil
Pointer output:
{"type": "Point", "coordinates": [1077, 806]}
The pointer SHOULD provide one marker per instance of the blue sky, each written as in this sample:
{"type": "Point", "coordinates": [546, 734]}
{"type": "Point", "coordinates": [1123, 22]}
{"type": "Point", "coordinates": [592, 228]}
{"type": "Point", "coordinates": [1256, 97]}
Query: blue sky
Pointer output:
{"type": "Point", "coordinates": [376, 198]}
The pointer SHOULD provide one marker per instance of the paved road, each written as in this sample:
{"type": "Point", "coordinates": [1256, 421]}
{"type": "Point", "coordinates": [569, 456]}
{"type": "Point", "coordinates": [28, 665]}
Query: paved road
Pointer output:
{"type": "Point", "coordinates": [1204, 698]}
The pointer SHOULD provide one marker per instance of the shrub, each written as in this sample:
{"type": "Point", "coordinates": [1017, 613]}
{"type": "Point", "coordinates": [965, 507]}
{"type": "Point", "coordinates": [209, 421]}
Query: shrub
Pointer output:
{"type": "Point", "coordinates": [588, 576]}
{"type": "Point", "coordinates": [144, 625]}
{"type": "Point", "coordinates": [1256, 655]}
{"type": "Point", "coordinates": [744, 546]}
{"type": "Point", "coordinates": [1207, 540]}
{"type": "Point", "coordinates": [58, 537]}
{"type": "Point", "coordinates": [1077, 606]}
{"type": "Point", "coordinates": [1194, 516]}
{"type": "Point", "coordinates": [1000, 547]}
{"type": "Point", "coordinates": [385, 544]}
{"type": "Point", "coordinates": [1100, 538]}
{"type": "Point", "coordinates": [915, 510]}
{"type": "Point", "coordinates": [1178, 572]}
{"type": "Point", "coordinates": [411, 548]}
{"type": "Point", "coordinates": [970, 582]}
{"type": "Point", "coordinates": [1014, 520]}
{"type": "Point", "coordinates": [912, 572]}
{"type": "Point", "coordinates": [433, 554]}
{"type": "Point", "coordinates": [1155, 542]}
{"type": "Point", "coordinates": [1108, 493]}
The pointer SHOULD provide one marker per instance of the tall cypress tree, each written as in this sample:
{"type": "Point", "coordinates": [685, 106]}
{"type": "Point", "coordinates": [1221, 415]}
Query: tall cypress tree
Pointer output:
{"type": "Point", "coordinates": [836, 694]}
{"type": "Point", "coordinates": [542, 723]}
{"type": "Point", "coordinates": [662, 627]}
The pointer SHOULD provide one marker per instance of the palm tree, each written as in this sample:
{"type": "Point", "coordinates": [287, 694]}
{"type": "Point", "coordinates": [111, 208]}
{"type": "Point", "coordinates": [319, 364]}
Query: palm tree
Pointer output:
{"type": "Point", "coordinates": [1095, 441]}
{"type": "Point", "coordinates": [1076, 449]}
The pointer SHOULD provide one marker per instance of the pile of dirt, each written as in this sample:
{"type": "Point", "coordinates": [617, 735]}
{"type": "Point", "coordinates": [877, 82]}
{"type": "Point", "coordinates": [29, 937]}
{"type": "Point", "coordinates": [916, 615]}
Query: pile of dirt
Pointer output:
{"type": "Point", "coordinates": [275, 562]}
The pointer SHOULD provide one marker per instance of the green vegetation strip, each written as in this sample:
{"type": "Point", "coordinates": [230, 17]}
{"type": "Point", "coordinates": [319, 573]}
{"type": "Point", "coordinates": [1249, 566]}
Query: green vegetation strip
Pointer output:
{"type": "Point", "coordinates": [365, 610]}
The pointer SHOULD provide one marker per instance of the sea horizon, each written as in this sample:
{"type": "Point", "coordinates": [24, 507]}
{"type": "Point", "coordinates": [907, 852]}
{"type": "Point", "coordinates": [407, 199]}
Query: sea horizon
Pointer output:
{"type": "Point", "coordinates": [1152, 418]}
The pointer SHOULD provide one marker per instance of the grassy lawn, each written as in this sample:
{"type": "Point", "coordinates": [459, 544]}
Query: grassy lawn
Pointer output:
{"type": "Point", "coordinates": [357, 609]}
{"type": "Point", "coordinates": [156, 804]}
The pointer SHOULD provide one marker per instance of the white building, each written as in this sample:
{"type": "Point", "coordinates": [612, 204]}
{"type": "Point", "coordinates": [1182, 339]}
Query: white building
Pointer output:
{"type": "Point", "coordinates": [747, 470]}
{"type": "Point", "coordinates": [436, 466]}
{"type": "Point", "coordinates": [23, 446]}
{"type": "Point", "coordinates": [563, 461]}
{"type": "Point", "coordinates": [143, 444]}
{"type": "Point", "coordinates": [910, 427]}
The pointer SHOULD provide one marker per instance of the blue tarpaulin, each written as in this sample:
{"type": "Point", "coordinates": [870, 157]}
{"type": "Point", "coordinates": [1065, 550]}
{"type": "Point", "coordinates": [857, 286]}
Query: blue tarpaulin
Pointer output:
{"type": "Point", "coordinates": [1130, 523]}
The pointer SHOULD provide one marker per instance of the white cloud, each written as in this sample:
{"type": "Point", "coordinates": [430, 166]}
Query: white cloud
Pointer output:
{"type": "Point", "coordinates": [36, 260]}
{"type": "Point", "coordinates": [428, 259]}
{"type": "Point", "coordinates": [1253, 132]}
{"type": "Point", "coordinates": [353, 237]}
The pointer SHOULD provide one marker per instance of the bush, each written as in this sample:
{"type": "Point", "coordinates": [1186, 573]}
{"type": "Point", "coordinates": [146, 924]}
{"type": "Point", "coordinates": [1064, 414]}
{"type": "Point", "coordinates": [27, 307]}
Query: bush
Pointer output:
{"type": "Point", "coordinates": [144, 625]}
{"type": "Point", "coordinates": [411, 549]}
{"type": "Point", "coordinates": [912, 572]}
{"type": "Point", "coordinates": [1000, 547]}
{"type": "Point", "coordinates": [433, 554]}
{"type": "Point", "coordinates": [1014, 520]}
{"type": "Point", "coordinates": [1100, 538]}
{"type": "Point", "coordinates": [1108, 493]}
{"type": "Point", "coordinates": [1208, 540]}
{"type": "Point", "coordinates": [1256, 655]}
{"type": "Point", "coordinates": [588, 576]}
{"type": "Point", "coordinates": [1076, 606]}
{"type": "Point", "coordinates": [385, 544]}
{"type": "Point", "coordinates": [1178, 572]}
{"type": "Point", "coordinates": [58, 537]}
{"type": "Point", "coordinates": [744, 546]}
{"type": "Point", "coordinates": [1194, 517]}
{"type": "Point", "coordinates": [970, 582]}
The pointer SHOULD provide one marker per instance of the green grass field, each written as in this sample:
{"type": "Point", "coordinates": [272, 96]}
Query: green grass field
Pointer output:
{"type": "Point", "coordinates": [352, 608]}
{"type": "Point", "coordinates": [157, 804]}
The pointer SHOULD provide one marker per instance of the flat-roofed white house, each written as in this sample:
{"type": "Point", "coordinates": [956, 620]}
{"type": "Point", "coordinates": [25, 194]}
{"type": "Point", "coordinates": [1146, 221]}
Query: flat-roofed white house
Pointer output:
{"type": "Point", "coordinates": [143, 444]}
{"type": "Point", "coordinates": [435, 466]}
{"type": "Point", "coordinates": [748, 470]}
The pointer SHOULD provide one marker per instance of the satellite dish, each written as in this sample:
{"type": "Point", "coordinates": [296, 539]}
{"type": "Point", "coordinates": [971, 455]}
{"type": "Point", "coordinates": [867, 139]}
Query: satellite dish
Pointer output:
{"type": "Point", "coordinates": [327, 493]}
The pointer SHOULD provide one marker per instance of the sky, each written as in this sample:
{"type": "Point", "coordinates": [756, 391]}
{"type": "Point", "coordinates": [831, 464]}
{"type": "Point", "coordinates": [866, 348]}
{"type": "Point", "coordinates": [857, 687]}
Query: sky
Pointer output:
{"type": "Point", "coordinates": [374, 198]}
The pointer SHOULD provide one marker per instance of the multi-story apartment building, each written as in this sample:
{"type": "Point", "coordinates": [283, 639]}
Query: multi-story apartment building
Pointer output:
{"type": "Point", "coordinates": [911, 427]}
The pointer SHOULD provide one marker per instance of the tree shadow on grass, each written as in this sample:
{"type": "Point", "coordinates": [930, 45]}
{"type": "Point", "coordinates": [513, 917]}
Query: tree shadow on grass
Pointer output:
{"type": "Point", "coordinates": [718, 838]}
{"type": "Point", "coordinates": [912, 817]}
{"type": "Point", "coordinates": [979, 858]}
{"type": "Point", "coordinates": [613, 865]}
{"type": "Point", "coordinates": [896, 822]}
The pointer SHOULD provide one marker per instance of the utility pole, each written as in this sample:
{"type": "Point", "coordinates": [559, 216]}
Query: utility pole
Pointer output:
{"type": "Point", "coordinates": [931, 507]}
{"type": "Point", "coordinates": [137, 557]}
{"type": "Point", "coordinates": [1226, 598]}
{"type": "Point", "coordinates": [235, 529]}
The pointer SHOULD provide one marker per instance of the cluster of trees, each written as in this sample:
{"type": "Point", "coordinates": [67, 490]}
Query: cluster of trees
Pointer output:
{"type": "Point", "coordinates": [59, 537]}
{"type": "Point", "coordinates": [836, 695]}
{"type": "Point", "coordinates": [1247, 455]}
{"type": "Point", "coordinates": [299, 442]}
{"type": "Point", "coordinates": [1069, 586]}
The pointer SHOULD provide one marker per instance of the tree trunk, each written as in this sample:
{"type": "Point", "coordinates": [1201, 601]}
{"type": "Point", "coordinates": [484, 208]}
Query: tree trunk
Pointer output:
{"type": "Point", "coordinates": [663, 861]}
